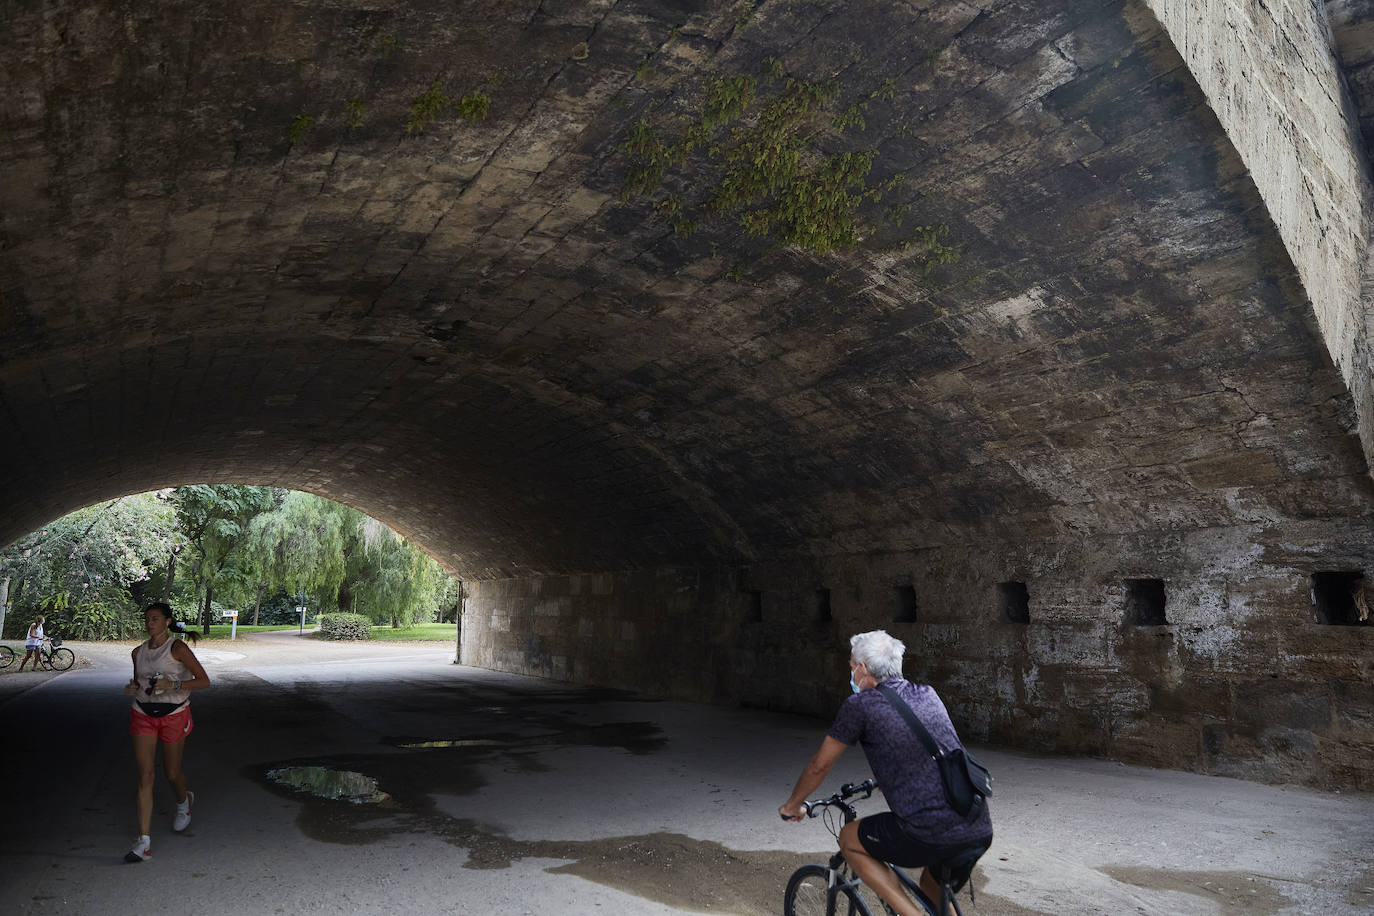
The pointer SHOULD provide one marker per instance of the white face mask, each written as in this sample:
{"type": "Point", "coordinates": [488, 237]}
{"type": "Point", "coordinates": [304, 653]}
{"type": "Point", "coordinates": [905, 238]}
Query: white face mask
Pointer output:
{"type": "Point", "coordinates": [853, 686]}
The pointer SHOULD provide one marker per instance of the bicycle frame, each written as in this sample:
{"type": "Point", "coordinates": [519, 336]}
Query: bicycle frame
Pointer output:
{"type": "Point", "coordinates": [843, 880]}
{"type": "Point", "coordinates": [840, 878]}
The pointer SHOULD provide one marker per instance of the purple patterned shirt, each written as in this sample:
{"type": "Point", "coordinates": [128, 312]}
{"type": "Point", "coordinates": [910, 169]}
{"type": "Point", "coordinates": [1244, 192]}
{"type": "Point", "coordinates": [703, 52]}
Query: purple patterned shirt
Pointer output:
{"type": "Point", "coordinates": [905, 772]}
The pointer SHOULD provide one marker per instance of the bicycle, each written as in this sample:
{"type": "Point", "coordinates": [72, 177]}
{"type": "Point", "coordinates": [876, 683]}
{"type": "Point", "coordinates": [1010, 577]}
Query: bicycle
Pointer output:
{"type": "Point", "coordinates": [51, 656]}
{"type": "Point", "coordinates": [815, 890]}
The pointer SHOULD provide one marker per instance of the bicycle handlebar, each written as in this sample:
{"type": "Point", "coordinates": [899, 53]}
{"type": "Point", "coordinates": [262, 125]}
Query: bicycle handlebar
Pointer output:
{"type": "Point", "coordinates": [839, 799]}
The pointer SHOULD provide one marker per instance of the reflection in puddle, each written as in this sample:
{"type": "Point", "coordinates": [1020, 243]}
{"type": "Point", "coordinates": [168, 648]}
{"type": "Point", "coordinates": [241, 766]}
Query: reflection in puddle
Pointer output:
{"type": "Point", "coordinates": [327, 783]}
{"type": "Point", "coordinates": [466, 742]}
{"type": "Point", "coordinates": [634, 737]}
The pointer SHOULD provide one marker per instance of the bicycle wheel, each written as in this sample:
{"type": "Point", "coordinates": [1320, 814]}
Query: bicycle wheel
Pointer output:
{"type": "Point", "coordinates": [62, 659]}
{"type": "Point", "coordinates": [7, 656]}
{"type": "Point", "coordinates": [808, 893]}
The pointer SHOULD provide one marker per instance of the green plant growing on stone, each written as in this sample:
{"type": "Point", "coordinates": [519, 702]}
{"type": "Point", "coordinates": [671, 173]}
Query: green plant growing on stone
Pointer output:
{"type": "Point", "coordinates": [726, 99]}
{"type": "Point", "coordinates": [433, 102]}
{"type": "Point", "coordinates": [425, 107]}
{"type": "Point", "coordinates": [357, 108]}
{"type": "Point", "coordinates": [474, 107]}
{"type": "Point", "coordinates": [300, 126]}
{"type": "Point", "coordinates": [934, 250]}
{"type": "Point", "coordinates": [390, 45]}
{"type": "Point", "coordinates": [669, 206]}
{"type": "Point", "coordinates": [937, 253]}
{"type": "Point", "coordinates": [755, 159]}
{"type": "Point", "coordinates": [773, 68]}
{"type": "Point", "coordinates": [649, 157]}
{"type": "Point", "coordinates": [887, 91]}
{"type": "Point", "coordinates": [853, 116]}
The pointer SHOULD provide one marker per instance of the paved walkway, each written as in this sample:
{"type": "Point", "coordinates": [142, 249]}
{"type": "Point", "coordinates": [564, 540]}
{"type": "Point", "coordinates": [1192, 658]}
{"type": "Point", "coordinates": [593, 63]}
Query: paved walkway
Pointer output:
{"type": "Point", "coordinates": [515, 795]}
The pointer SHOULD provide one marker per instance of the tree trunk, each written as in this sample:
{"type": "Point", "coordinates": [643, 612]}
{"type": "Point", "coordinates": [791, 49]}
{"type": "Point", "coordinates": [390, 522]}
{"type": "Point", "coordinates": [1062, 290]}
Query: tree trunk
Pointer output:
{"type": "Point", "coordinates": [171, 574]}
{"type": "Point", "coordinates": [205, 625]}
{"type": "Point", "coordinates": [257, 607]}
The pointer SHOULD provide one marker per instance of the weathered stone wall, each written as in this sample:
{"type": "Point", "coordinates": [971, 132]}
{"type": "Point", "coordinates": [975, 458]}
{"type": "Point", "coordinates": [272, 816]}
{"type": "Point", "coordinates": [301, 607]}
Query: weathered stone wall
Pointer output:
{"type": "Point", "coordinates": [1240, 681]}
{"type": "Point", "coordinates": [1271, 74]}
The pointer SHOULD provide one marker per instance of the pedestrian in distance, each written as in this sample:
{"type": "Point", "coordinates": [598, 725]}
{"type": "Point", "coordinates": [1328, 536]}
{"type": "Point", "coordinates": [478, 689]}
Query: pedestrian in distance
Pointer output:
{"type": "Point", "coordinates": [165, 671]}
{"type": "Point", "coordinates": [33, 643]}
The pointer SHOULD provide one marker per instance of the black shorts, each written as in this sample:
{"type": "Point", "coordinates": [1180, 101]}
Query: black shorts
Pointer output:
{"type": "Point", "coordinates": [888, 838]}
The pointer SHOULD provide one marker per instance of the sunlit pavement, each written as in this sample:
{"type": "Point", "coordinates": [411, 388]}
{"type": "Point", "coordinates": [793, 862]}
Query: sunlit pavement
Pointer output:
{"type": "Point", "coordinates": [515, 795]}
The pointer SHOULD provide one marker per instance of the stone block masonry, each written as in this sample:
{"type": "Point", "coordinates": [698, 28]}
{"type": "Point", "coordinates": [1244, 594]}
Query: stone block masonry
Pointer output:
{"type": "Point", "coordinates": [1240, 680]}
{"type": "Point", "coordinates": [1273, 74]}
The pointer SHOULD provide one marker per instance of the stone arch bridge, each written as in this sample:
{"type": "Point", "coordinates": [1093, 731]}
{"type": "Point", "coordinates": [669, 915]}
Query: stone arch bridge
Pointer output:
{"type": "Point", "coordinates": [696, 336]}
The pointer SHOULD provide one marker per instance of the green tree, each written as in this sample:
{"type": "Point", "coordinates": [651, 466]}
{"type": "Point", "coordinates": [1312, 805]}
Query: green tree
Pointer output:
{"type": "Point", "coordinates": [344, 560]}
{"type": "Point", "coordinates": [216, 520]}
{"type": "Point", "coordinates": [303, 546]}
{"type": "Point", "coordinates": [393, 580]}
{"type": "Point", "coordinates": [90, 570]}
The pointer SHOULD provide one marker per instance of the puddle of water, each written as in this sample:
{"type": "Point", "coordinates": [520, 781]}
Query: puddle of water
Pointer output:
{"type": "Point", "coordinates": [634, 737]}
{"type": "Point", "coordinates": [463, 742]}
{"type": "Point", "coordinates": [343, 785]}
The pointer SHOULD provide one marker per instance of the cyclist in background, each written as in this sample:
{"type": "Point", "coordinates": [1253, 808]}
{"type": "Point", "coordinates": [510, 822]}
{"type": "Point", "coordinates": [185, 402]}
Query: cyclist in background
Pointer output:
{"type": "Point", "coordinates": [921, 829]}
{"type": "Point", "coordinates": [33, 643]}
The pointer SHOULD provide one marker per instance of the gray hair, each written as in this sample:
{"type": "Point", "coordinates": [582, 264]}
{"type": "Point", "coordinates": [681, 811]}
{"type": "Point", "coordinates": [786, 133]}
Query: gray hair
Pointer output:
{"type": "Point", "coordinates": [880, 653]}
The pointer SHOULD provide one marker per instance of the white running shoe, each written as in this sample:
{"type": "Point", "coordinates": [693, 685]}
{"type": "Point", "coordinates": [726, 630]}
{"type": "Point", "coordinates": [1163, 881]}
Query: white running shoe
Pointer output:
{"type": "Point", "coordinates": [142, 850]}
{"type": "Point", "coordinates": [183, 815]}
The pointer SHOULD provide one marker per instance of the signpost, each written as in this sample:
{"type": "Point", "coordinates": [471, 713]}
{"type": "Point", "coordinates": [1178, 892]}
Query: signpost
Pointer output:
{"type": "Point", "coordinates": [233, 623]}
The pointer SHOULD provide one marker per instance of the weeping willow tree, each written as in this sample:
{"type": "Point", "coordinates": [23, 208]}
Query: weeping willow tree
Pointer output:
{"type": "Point", "coordinates": [396, 580]}
{"type": "Point", "coordinates": [344, 560]}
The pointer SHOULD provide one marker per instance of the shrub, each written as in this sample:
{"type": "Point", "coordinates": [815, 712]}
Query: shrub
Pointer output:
{"type": "Point", "coordinates": [345, 626]}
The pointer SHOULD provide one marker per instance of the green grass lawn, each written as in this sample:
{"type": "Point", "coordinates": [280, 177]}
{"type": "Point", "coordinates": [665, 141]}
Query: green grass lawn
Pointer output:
{"type": "Point", "coordinates": [422, 632]}
{"type": "Point", "coordinates": [222, 631]}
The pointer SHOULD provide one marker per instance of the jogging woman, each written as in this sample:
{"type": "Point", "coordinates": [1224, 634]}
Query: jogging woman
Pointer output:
{"type": "Point", "coordinates": [165, 670]}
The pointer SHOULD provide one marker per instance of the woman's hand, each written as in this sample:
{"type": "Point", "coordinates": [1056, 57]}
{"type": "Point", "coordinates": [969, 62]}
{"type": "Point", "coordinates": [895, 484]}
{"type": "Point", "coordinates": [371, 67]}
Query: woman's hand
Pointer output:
{"type": "Point", "coordinates": [131, 688]}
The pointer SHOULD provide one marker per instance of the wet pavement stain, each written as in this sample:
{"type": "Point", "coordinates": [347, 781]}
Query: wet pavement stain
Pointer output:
{"type": "Point", "coordinates": [1238, 893]}
{"type": "Point", "coordinates": [525, 734]}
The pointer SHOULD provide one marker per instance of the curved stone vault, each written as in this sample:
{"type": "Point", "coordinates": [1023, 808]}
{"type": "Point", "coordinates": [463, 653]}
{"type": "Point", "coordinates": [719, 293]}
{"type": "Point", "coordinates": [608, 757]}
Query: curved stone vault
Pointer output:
{"type": "Point", "coordinates": [267, 243]}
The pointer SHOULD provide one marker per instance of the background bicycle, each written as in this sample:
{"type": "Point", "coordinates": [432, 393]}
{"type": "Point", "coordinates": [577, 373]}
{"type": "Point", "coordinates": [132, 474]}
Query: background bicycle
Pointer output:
{"type": "Point", "coordinates": [829, 890]}
{"type": "Point", "coordinates": [51, 657]}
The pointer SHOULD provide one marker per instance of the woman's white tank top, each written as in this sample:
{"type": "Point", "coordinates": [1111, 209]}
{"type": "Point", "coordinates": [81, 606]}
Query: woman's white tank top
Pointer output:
{"type": "Point", "coordinates": [149, 661]}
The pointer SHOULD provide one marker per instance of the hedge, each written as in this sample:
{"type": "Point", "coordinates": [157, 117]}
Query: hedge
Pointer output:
{"type": "Point", "coordinates": [345, 626]}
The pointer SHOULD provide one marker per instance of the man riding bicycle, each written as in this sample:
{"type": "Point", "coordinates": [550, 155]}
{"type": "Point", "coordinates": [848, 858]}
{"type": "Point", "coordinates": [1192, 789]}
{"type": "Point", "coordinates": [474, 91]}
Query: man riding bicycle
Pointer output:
{"type": "Point", "coordinates": [921, 829]}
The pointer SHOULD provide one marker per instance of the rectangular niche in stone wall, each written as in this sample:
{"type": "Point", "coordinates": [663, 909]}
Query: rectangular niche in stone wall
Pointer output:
{"type": "Point", "coordinates": [1338, 598]}
{"type": "Point", "coordinates": [822, 606]}
{"type": "Point", "coordinates": [1145, 602]}
{"type": "Point", "coordinates": [753, 606]}
{"type": "Point", "coordinates": [905, 605]}
{"type": "Point", "coordinates": [1015, 601]}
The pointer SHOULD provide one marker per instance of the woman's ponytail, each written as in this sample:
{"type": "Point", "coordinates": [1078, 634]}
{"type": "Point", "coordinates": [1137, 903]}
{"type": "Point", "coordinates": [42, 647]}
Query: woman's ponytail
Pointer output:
{"type": "Point", "coordinates": [176, 626]}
